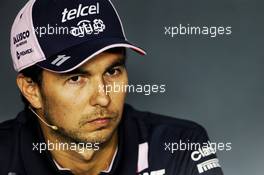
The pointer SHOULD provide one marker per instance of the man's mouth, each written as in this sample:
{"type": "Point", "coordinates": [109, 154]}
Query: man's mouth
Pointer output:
{"type": "Point", "coordinates": [100, 121]}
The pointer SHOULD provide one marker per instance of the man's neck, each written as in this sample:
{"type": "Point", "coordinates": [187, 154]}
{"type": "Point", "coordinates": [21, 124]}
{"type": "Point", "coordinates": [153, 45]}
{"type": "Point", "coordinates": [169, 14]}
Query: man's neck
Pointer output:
{"type": "Point", "coordinates": [84, 161]}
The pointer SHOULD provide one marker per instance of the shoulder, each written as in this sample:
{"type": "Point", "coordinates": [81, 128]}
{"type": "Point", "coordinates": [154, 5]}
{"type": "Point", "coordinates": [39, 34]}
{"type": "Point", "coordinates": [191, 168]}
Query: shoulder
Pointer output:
{"type": "Point", "coordinates": [174, 143]}
{"type": "Point", "coordinates": [10, 127]}
{"type": "Point", "coordinates": [166, 126]}
{"type": "Point", "coordinates": [10, 138]}
{"type": "Point", "coordinates": [7, 130]}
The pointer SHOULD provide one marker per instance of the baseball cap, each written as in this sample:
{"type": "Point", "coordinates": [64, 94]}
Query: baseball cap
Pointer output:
{"type": "Point", "coordinates": [61, 35]}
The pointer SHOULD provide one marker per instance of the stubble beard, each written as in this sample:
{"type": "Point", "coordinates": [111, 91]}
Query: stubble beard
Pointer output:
{"type": "Point", "coordinates": [100, 136]}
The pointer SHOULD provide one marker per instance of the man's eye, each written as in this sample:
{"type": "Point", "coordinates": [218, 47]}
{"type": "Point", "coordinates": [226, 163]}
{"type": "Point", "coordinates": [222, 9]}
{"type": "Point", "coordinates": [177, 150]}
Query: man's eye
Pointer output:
{"type": "Point", "coordinates": [113, 71]}
{"type": "Point", "coordinates": [75, 79]}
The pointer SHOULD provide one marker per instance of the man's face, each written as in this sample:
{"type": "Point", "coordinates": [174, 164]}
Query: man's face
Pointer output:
{"type": "Point", "coordinates": [76, 103]}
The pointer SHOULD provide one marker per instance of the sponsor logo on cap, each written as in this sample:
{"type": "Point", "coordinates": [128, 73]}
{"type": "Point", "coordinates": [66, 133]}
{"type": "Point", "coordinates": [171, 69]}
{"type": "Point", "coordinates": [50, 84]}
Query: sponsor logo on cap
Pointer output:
{"type": "Point", "coordinates": [23, 53]}
{"type": "Point", "coordinates": [20, 38]}
{"type": "Point", "coordinates": [86, 27]}
{"type": "Point", "coordinates": [60, 59]}
{"type": "Point", "coordinates": [79, 12]}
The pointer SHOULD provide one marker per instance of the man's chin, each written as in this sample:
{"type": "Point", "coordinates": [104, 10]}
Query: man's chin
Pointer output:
{"type": "Point", "coordinates": [100, 136]}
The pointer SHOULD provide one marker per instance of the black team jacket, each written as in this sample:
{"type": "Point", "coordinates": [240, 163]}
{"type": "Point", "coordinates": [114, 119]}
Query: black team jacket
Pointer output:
{"type": "Point", "coordinates": [149, 144]}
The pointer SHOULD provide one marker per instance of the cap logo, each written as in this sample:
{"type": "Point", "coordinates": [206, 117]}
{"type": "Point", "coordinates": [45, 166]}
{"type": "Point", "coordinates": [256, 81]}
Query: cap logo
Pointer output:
{"type": "Point", "coordinates": [21, 36]}
{"type": "Point", "coordinates": [88, 27]}
{"type": "Point", "coordinates": [80, 11]}
{"type": "Point", "coordinates": [23, 53]}
{"type": "Point", "coordinates": [60, 59]}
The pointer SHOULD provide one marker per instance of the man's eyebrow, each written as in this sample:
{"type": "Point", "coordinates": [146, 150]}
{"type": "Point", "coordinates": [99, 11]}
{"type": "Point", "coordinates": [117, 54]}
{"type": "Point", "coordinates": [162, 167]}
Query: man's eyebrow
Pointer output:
{"type": "Point", "coordinates": [77, 71]}
{"type": "Point", "coordinates": [121, 61]}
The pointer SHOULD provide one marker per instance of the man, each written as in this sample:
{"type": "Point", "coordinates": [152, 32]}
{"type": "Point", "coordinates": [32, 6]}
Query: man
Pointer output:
{"type": "Point", "coordinates": [70, 124]}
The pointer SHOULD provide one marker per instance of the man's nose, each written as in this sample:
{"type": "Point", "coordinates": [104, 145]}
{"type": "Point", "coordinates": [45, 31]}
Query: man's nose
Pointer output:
{"type": "Point", "coordinates": [99, 96]}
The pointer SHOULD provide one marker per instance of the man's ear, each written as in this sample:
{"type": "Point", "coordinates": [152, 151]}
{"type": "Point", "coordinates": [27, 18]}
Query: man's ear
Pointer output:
{"type": "Point", "coordinates": [30, 90]}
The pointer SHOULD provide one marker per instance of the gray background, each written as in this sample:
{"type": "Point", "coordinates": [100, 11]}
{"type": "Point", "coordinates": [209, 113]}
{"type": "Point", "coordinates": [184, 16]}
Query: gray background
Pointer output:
{"type": "Point", "coordinates": [217, 82]}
